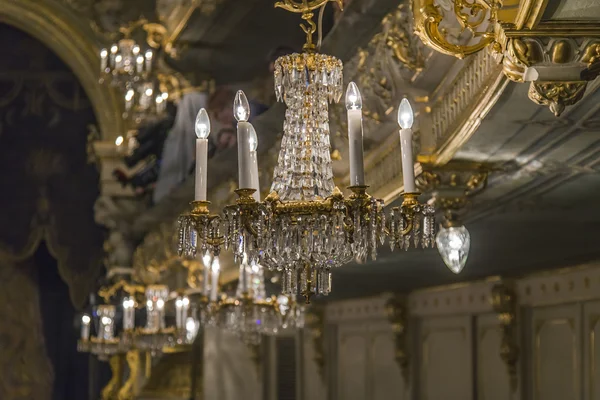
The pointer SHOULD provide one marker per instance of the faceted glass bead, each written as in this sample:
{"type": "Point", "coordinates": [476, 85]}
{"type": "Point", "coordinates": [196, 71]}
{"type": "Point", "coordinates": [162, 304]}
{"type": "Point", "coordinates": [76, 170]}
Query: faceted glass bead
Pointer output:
{"type": "Point", "coordinates": [453, 244]}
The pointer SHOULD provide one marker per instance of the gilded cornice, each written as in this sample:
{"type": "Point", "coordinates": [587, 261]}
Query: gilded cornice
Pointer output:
{"type": "Point", "coordinates": [74, 42]}
{"type": "Point", "coordinates": [558, 57]}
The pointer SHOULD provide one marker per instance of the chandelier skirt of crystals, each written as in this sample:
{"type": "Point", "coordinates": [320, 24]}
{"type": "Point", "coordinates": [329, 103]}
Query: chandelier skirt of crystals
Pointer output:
{"type": "Point", "coordinates": [306, 83]}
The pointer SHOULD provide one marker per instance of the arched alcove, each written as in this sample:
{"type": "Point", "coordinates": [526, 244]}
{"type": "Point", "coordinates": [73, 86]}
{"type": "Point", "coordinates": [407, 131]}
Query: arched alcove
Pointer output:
{"type": "Point", "coordinates": [48, 191]}
{"type": "Point", "coordinates": [71, 38]}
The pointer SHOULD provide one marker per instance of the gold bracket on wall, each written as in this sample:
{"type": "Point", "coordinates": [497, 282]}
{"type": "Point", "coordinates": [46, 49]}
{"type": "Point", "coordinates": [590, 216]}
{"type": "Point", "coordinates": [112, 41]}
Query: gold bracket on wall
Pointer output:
{"type": "Point", "coordinates": [315, 322]}
{"type": "Point", "coordinates": [398, 316]}
{"type": "Point", "coordinates": [504, 301]}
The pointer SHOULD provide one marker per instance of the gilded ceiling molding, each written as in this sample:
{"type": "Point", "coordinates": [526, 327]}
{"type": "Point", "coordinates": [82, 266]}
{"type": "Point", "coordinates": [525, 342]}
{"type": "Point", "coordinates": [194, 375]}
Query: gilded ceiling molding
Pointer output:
{"type": "Point", "coordinates": [462, 107]}
{"type": "Point", "coordinates": [461, 27]}
{"type": "Point", "coordinates": [456, 27]}
{"type": "Point", "coordinates": [559, 59]}
{"type": "Point", "coordinates": [67, 35]}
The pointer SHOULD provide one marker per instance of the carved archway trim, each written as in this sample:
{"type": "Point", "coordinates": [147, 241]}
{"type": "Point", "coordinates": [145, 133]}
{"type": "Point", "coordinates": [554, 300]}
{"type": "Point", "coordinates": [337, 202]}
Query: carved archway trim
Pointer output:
{"type": "Point", "coordinates": [74, 42]}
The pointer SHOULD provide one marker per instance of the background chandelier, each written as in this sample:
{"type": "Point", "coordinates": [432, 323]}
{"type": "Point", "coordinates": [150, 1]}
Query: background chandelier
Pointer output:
{"type": "Point", "coordinates": [305, 227]}
{"type": "Point", "coordinates": [125, 62]}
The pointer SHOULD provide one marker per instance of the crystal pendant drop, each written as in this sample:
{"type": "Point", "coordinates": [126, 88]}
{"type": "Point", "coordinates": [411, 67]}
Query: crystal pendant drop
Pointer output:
{"type": "Point", "coordinates": [453, 243]}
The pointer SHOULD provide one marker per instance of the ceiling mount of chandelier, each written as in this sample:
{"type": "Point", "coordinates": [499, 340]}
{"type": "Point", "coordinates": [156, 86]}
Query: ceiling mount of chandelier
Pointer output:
{"type": "Point", "coordinates": [305, 227]}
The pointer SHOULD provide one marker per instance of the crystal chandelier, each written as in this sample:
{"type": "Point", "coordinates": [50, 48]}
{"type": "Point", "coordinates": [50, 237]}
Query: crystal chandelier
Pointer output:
{"type": "Point", "coordinates": [305, 227]}
{"type": "Point", "coordinates": [153, 335]}
{"type": "Point", "coordinates": [125, 63]}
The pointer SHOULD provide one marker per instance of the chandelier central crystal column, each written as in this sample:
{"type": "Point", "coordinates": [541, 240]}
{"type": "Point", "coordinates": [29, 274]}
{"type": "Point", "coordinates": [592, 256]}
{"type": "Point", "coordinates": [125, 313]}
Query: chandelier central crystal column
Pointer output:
{"type": "Point", "coordinates": [305, 227]}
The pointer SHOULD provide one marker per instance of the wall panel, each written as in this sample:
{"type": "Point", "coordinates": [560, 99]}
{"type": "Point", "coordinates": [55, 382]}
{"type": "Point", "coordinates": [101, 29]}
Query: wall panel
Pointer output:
{"type": "Point", "coordinates": [493, 381]}
{"type": "Point", "coordinates": [556, 353]}
{"type": "Point", "coordinates": [446, 370]}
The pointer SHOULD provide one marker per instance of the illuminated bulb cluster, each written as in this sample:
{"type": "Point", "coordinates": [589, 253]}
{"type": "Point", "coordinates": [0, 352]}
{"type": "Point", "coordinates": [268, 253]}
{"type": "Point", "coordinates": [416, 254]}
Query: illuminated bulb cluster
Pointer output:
{"type": "Point", "coordinates": [143, 99]}
{"type": "Point", "coordinates": [123, 63]}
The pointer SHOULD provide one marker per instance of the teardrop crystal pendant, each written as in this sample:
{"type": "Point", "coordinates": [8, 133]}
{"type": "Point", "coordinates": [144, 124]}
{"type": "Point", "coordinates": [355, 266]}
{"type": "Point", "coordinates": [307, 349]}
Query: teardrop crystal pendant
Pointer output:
{"type": "Point", "coordinates": [453, 243]}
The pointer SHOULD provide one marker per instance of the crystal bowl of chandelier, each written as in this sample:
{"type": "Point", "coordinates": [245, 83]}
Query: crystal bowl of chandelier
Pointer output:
{"type": "Point", "coordinates": [305, 227]}
{"type": "Point", "coordinates": [251, 313]}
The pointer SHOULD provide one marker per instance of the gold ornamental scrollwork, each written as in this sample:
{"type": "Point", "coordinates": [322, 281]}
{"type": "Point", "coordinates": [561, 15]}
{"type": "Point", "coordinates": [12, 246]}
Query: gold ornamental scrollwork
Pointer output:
{"type": "Point", "coordinates": [398, 316]}
{"type": "Point", "coordinates": [306, 8]}
{"type": "Point", "coordinates": [315, 319]}
{"type": "Point", "coordinates": [557, 95]}
{"type": "Point", "coordinates": [504, 301]}
{"type": "Point", "coordinates": [443, 24]}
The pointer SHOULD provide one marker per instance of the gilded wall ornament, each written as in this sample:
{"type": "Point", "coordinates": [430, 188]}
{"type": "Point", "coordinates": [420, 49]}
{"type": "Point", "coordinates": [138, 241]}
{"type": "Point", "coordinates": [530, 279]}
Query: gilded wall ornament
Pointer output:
{"type": "Point", "coordinates": [504, 301]}
{"type": "Point", "coordinates": [397, 312]}
{"type": "Point", "coordinates": [315, 320]}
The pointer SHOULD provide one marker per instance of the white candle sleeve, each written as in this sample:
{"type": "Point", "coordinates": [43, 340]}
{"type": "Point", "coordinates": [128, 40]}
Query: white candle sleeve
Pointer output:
{"type": "Point", "coordinates": [205, 276]}
{"type": "Point", "coordinates": [244, 163]}
{"type": "Point", "coordinates": [85, 331]}
{"type": "Point", "coordinates": [408, 168]}
{"type": "Point", "coordinates": [214, 288]}
{"type": "Point", "coordinates": [254, 170]}
{"type": "Point", "coordinates": [201, 168]}
{"type": "Point", "coordinates": [355, 138]}
{"type": "Point", "coordinates": [178, 314]}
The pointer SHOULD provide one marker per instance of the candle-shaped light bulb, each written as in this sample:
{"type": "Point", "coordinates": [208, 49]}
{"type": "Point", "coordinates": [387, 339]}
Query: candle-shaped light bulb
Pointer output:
{"type": "Point", "coordinates": [129, 95]}
{"type": "Point", "coordinates": [405, 120]}
{"type": "Point", "coordinates": [114, 48]}
{"type": "Point", "coordinates": [149, 92]}
{"type": "Point", "coordinates": [202, 128]}
{"type": "Point", "coordinates": [405, 114]}
{"type": "Point", "coordinates": [205, 273]}
{"type": "Point", "coordinates": [128, 314]}
{"type": "Point", "coordinates": [139, 64]}
{"type": "Point", "coordinates": [160, 304]}
{"type": "Point", "coordinates": [179, 313]}
{"type": "Point", "coordinates": [206, 260]}
{"type": "Point", "coordinates": [148, 56]}
{"type": "Point", "coordinates": [202, 125]}
{"type": "Point", "coordinates": [85, 327]}
{"type": "Point", "coordinates": [119, 141]}
{"type": "Point", "coordinates": [253, 158]}
{"type": "Point", "coordinates": [252, 139]}
{"type": "Point", "coordinates": [136, 50]}
{"type": "Point", "coordinates": [165, 95]}
{"type": "Point", "coordinates": [355, 135]}
{"type": "Point", "coordinates": [241, 108]}
{"type": "Point", "coordinates": [103, 53]}
{"type": "Point", "coordinates": [353, 97]}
